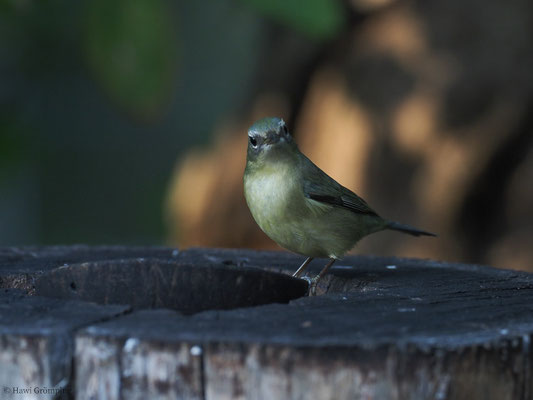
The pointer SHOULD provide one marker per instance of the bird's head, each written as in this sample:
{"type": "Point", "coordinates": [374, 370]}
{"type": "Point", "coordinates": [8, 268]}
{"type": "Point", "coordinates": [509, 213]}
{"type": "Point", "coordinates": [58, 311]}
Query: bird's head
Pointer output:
{"type": "Point", "coordinates": [269, 138]}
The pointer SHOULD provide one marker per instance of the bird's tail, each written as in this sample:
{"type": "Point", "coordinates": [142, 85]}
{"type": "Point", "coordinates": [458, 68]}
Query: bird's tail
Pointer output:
{"type": "Point", "coordinates": [395, 226]}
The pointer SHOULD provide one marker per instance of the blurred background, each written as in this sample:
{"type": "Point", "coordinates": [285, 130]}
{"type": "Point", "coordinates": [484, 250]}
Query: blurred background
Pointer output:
{"type": "Point", "coordinates": [124, 122]}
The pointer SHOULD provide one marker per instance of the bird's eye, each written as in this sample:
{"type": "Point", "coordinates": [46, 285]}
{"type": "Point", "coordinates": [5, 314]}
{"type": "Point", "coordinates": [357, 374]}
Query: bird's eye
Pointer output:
{"type": "Point", "coordinates": [253, 142]}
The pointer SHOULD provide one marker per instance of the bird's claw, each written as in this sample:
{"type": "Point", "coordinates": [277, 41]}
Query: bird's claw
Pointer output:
{"type": "Point", "coordinates": [307, 279]}
{"type": "Point", "coordinates": [312, 282]}
{"type": "Point", "coordinates": [312, 286]}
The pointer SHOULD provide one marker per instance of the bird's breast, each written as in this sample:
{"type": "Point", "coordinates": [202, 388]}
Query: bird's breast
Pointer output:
{"type": "Point", "coordinates": [271, 193]}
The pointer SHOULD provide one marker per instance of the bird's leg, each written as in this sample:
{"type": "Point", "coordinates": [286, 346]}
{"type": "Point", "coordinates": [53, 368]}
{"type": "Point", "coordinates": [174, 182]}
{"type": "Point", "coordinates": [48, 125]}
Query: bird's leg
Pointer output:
{"type": "Point", "coordinates": [300, 270]}
{"type": "Point", "coordinates": [316, 279]}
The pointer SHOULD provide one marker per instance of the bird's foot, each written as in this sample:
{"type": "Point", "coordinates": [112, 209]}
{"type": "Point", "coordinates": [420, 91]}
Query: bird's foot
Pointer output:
{"type": "Point", "coordinates": [307, 279]}
{"type": "Point", "coordinates": [310, 285]}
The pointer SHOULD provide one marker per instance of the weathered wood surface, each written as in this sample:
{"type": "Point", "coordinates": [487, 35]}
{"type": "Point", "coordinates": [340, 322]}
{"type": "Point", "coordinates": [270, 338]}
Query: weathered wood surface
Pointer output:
{"type": "Point", "coordinates": [385, 328]}
{"type": "Point", "coordinates": [37, 341]}
{"type": "Point", "coordinates": [20, 266]}
{"type": "Point", "coordinates": [155, 283]}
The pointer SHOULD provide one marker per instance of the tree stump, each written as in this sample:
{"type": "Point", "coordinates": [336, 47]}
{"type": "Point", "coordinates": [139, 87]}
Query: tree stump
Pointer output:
{"type": "Point", "coordinates": [381, 328]}
{"type": "Point", "coordinates": [36, 342]}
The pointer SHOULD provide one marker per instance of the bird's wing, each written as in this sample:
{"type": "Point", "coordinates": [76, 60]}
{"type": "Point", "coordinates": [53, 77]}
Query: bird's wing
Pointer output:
{"type": "Point", "coordinates": [320, 187]}
{"type": "Point", "coordinates": [351, 202]}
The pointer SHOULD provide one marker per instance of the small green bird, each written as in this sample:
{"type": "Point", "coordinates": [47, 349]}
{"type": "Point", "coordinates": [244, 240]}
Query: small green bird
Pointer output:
{"type": "Point", "coordinates": [298, 205]}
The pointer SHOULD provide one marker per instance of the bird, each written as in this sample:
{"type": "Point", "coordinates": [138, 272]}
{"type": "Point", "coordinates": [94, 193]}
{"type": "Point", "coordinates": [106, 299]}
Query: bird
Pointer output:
{"type": "Point", "coordinates": [299, 206]}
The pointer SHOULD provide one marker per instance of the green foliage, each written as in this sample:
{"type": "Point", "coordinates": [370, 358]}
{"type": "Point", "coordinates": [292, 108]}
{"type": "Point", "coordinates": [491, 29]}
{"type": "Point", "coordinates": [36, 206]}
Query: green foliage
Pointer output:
{"type": "Point", "coordinates": [319, 19]}
{"type": "Point", "coordinates": [129, 46]}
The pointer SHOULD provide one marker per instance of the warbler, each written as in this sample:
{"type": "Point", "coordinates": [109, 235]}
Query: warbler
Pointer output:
{"type": "Point", "coordinates": [299, 206]}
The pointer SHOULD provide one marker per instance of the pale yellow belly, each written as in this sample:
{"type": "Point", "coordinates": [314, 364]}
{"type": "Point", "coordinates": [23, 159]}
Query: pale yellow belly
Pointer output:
{"type": "Point", "coordinates": [301, 225]}
{"type": "Point", "coordinates": [330, 234]}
